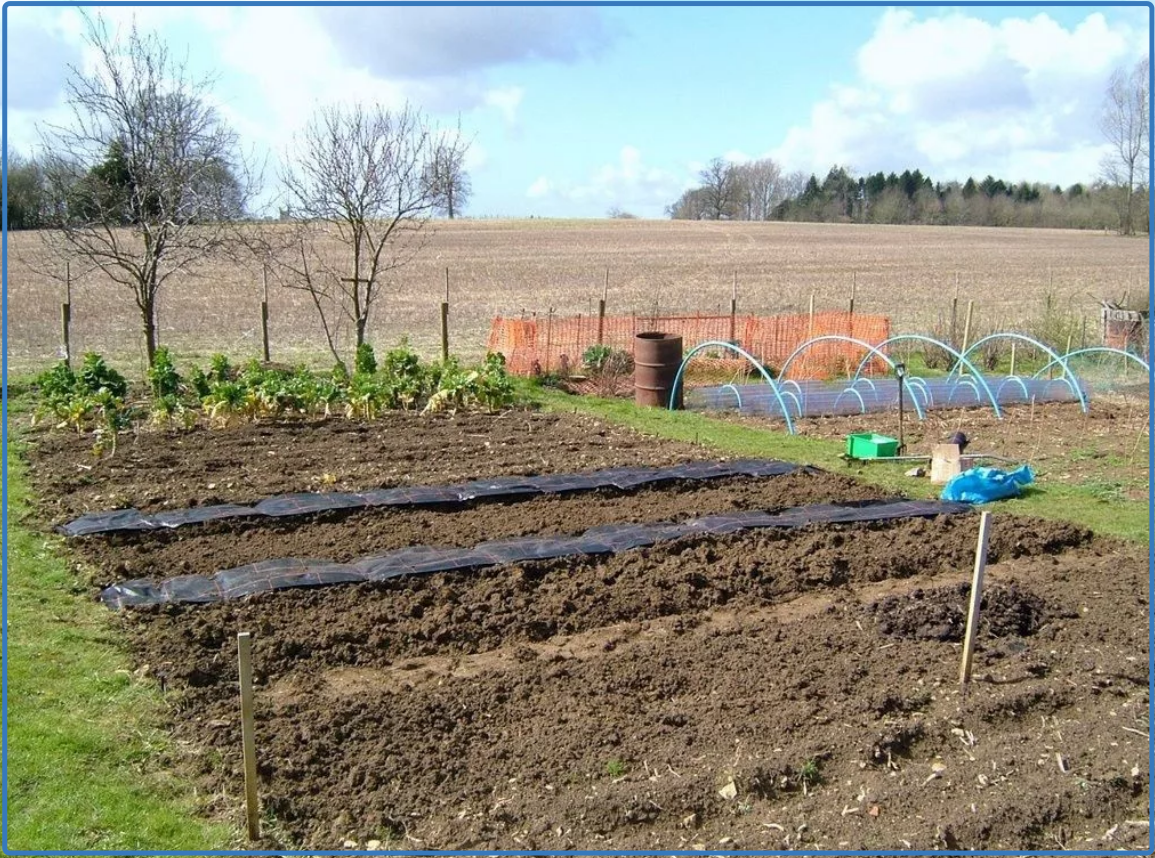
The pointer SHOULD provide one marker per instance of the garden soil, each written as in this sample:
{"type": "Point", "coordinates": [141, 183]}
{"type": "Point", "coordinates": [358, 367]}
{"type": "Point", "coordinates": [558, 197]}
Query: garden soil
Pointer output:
{"type": "Point", "coordinates": [761, 690]}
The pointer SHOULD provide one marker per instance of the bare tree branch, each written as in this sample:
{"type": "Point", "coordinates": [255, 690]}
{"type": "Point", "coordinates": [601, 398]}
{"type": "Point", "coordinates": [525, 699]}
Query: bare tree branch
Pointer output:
{"type": "Point", "coordinates": [145, 182]}
{"type": "Point", "coordinates": [364, 179]}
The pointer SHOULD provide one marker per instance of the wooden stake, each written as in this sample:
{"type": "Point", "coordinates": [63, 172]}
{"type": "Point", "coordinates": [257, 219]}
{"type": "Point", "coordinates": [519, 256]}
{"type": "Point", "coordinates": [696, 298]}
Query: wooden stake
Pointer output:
{"type": "Point", "coordinates": [601, 320]}
{"type": "Point", "coordinates": [853, 290]}
{"type": "Point", "coordinates": [1013, 345]}
{"type": "Point", "coordinates": [548, 336]}
{"type": "Point", "coordinates": [265, 314]}
{"type": "Point", "coordinates": [734, 310]}
{"type": "Point", "coordinates": [606, 287]}
{"type": "Point", "coordinates": [976, 600]}
{"type": "Point", "coordinates": [966, 331]}
{"type": "Point", "coordinates": [444, 331]}
{"type": "Point", "coordinates": [446, 284]}
{"type": "Point", "coordinates": [810, 327]}
{"type": "Point", "coordinates": [252, 805]}
{"type": "Point", "coordinates": [66, 315]}
{"type": "Point", "coordinates": [954, 314]}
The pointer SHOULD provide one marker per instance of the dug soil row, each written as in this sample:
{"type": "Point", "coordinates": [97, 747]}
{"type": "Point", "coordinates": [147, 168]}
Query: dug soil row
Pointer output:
{"type": "Point", "coordinates": [345, 537]}
{"type": "Point", "coordinates": [155, 470]}
{"type": "Point", "coordinates": [682, 695]}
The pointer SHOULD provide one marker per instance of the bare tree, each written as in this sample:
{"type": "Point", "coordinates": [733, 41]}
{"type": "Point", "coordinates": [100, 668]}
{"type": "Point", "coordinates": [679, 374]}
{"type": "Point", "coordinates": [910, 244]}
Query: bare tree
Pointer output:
{"type": "Point", "coordinates": [1124, 123]}
{"type": "Point", "coordinates": [447, 176]}
{"type": "Point", "coordinates": [720, 190]}
{"type": "Point", "coordinates": [145, 180]}
{"type": "Point", "coordinates": [358, 188]}
{"type": "Point", "coordinates": [760, 184]}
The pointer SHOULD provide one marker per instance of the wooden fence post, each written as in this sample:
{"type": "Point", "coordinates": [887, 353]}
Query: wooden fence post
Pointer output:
{"type": "Point", "coordinates": [548, 337]}
{"type": "Point", "coordinates": [976, 599]}
{"type": "Point", "coordinates": [445, 321]}
{"type": "Point", "coordinates": [954, 314]}
{"type": "Point", "coordinates": [248, 741]}
{"type": "Point", "coordinates": [66, 315]}
{"type": "Point", "coordinates": [602, 308]}
{"type": "Point", "coordinates": [265, 314]}
{"type": "Point", "coordinates": [734, 310]}
{"type": "Point", "coordinates": [810, 326]}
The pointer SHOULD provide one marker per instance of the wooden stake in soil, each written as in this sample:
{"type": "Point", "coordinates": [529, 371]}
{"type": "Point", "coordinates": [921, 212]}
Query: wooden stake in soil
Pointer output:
{"type": "Point", "coordinates": [734, 310]}
{"type": "Point", "coordinates": [853, 289]}
{"type": "Point", "coordinates": [252, 804]}
{"type": "Point", "coordinates": [810, 326]}
{"type": "Point", "coordinates": [445, 321]}
{"type": "Point", "coordinates": [1013, 354]}
{"type": "Point", "coordinates": [976, 599]}
{"type": "Point", "coordinates": [265, 314]}
{"type": "Point", "coordinates": [966, 332]}
{"type": "Point", "coordinates": [954, 315]}
{"type": "Point", "coordinates": [66, 315]}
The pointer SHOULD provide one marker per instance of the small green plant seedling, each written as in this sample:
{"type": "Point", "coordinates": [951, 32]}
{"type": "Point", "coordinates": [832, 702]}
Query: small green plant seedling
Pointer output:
{"type": "Point", "coordinates": [810, 775]}
{"type": "Point", "coordinates": [616, 768]}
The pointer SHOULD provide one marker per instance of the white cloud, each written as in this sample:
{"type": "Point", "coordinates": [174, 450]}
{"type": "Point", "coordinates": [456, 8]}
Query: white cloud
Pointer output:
{"type": "Point", "coordinates": [628, 183]}
{"type": "Point", "coordinates": [506, 100]}
{"type": "Point", "coordinates": [955, 96]}
{"type": "Point", "coordinates": [540, 188]}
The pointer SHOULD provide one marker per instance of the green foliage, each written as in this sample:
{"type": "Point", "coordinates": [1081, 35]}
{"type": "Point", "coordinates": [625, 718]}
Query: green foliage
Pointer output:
{"type": "Point", "coordinates": [92, 400]}
{"type": "Point", "coordinates": [200, 382]}
{"type": "Point", "coordinates": [595, 357]}
{"type": "Point", "coordinates": [219, 368]}
{"type": "Point", "coordinates": [96, 375]}
{"type": "Point", "coordinates": [162, 375]}
{"type": "Point", "coordinates": [810, 773]}
{"type": "Point", "coordinates": [365, 361]}
{"type": "Point", "coordinates": [616, 768]}
{"type": "Point", "coordinates": [57, 385]}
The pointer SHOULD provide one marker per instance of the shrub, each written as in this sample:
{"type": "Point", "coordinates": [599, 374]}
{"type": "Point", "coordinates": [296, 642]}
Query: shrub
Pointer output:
{"type": "Point", "coordinates": [162, 375]}
{"type": "Point", "coordinates": [95, 375]}
{"type": "Point", "coordinates": [365, 361]}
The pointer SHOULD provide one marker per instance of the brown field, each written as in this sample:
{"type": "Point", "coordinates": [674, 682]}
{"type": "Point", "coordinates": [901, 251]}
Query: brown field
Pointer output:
{"type": "Point", "coordinates": [507, 267]}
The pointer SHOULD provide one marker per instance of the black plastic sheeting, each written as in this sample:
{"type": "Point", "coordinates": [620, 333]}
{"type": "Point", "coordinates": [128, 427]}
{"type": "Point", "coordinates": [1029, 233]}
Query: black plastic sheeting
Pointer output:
{"type": "Point", "coordinates": [606, 539]}
{"type": "Point", "coordinates": [499, 488]}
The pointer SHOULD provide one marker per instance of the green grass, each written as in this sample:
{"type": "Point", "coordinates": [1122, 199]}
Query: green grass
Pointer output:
{"type": "Point", "coordinates": [1097, 505]}
{"type": "Point", "coordinates": [85, 757]}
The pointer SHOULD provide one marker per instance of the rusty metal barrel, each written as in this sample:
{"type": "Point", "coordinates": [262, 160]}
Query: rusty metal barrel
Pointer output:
{"type": "Point", "coordinates": [657, 357]}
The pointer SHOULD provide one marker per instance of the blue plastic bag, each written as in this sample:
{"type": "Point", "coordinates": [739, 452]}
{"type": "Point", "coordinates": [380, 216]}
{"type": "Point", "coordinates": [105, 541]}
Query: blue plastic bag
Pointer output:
{"type": "Point", "coordinates": [980, 485]}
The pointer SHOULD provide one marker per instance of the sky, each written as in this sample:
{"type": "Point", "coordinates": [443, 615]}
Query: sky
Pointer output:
{"type": "Point", "coordinates": [572, 111]}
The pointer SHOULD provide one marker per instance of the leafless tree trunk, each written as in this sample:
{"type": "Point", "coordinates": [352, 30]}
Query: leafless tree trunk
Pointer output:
{"type": "Point", "coordinates": [720, 187]}
{"type": "Point", "coordinates": [447, 177]}
{"type": "Point", "coordinates": [1124, 123]}
{"type": "Point", "coordinates": [359, 191]}
{"type": "Point", "coordinates": [145, 181]}
{"type": "Point", "coordinates": [760, 183]}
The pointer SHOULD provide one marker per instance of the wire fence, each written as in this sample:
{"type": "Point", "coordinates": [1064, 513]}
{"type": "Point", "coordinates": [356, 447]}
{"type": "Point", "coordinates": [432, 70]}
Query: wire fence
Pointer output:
{"type": "Point", "coordinates": [543, 344]}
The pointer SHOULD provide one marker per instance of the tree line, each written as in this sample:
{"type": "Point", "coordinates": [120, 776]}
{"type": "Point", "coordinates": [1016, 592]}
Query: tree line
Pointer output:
{"type": "Point", "coordinates": [762, 191]}
{"type": "Point", "coordinates": [1118, 198]}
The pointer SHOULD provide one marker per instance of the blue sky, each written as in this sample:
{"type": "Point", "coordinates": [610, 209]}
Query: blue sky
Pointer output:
{"type": "Point", "coordinates": [574, 110]}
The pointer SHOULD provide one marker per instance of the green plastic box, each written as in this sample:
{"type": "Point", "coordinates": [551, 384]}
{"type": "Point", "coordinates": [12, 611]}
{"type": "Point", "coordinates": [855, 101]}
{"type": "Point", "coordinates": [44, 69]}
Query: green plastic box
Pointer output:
{"type": "Point", "coordinates": [871, 446]}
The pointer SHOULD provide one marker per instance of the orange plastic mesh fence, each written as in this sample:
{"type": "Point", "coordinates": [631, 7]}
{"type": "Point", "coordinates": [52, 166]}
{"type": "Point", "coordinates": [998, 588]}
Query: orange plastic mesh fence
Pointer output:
{"type": "Point", "coordinates": [557, 344]}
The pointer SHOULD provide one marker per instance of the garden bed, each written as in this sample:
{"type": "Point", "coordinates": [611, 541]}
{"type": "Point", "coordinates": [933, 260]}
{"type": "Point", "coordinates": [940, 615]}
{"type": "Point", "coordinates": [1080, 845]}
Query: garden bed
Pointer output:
{"type": "Point", "coordinates": [760, 690]}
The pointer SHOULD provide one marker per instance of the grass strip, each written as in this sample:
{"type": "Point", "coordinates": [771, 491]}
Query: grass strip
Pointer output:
{"type": "Point", "coordinates": [1088, 505]}
{"type": "Point", "coordinates": [85, 753]}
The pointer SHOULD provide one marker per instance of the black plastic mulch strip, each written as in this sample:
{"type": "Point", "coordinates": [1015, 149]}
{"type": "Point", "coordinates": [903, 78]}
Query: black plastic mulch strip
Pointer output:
{"type": "Point", "coordinates": [305, 503]}
{"type": "Point", "coordinates": [287, 573]}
